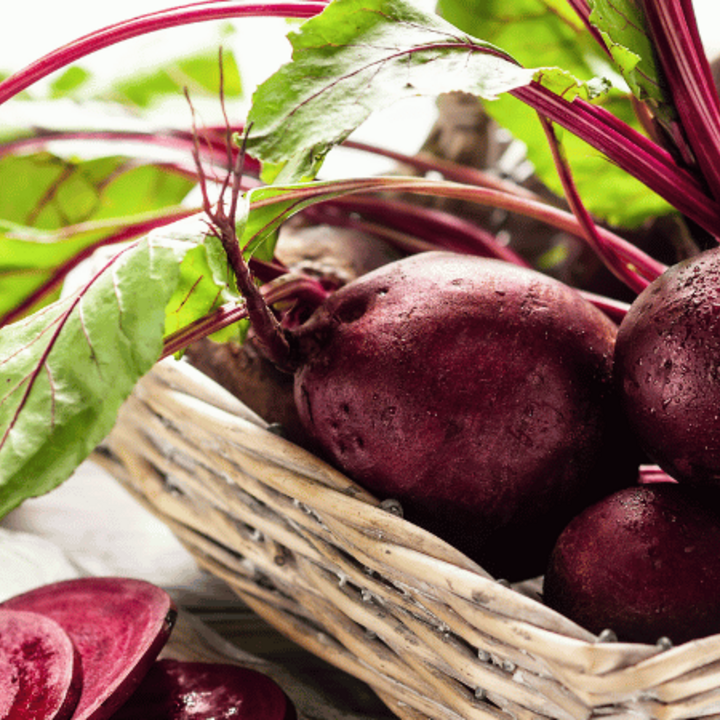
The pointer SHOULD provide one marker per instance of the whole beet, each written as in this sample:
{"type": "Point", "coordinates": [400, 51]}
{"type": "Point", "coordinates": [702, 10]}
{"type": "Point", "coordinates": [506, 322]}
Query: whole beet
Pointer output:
{"type": "Point", "coordinates": [475, 392]}
{"type": "Point", "coordinates": [668, 368]}
{"type": "Point", "coordinates": [643, 562]}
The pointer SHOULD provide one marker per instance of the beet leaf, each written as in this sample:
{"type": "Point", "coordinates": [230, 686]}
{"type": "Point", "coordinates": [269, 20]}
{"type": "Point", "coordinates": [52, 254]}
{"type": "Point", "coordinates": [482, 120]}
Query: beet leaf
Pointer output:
{"type": "Point", "coordinates": [358, 56]}
{"type": "Point", "coordinates": [67, 368]}
{"type": "Point", "coordinates": [622, 25]}
{"type": "Point", "coordinates": [557, 37]}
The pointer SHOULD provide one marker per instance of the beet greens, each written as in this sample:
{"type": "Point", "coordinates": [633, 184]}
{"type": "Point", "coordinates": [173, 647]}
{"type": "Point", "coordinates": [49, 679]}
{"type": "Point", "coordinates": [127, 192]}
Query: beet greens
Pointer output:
{"type": "Point", "coordinates": [68, 363]}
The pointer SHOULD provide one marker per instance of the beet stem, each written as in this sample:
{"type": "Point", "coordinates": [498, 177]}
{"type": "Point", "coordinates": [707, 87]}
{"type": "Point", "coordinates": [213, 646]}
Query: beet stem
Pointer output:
{"type": "Point", "coordinates": [270, 335]}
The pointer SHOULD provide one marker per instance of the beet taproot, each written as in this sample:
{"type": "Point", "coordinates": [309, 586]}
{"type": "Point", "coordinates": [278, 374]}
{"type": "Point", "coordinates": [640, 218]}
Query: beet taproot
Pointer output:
{"type": "Point", "coordinates": [643, 562]}
{"type": "Point", "coordinates": [477, 393]}
{"type": "Point", "coordinates": [178, 690]}
{"type": "Point", "coordinates": [40, 670]}
{"type": "Point", "coordinates": [667, 362]}
{"type": "Point", "coordinates": [118, 625]}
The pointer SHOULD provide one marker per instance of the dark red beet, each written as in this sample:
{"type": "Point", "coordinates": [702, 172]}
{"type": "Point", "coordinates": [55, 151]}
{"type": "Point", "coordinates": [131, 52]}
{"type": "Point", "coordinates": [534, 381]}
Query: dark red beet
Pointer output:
{"type": "Point", "coordinates": [644, 562]}
{"type": "Point", "coordinates": [477, 393]}
{"type": "Point", "coordinates": [668, 369]}
{"type": "Point", "coordinates": [175, 690]}
{"type": "Point", "coordinates": [118, 626]}
{"type": "Point", "coordinates": [40, 672]}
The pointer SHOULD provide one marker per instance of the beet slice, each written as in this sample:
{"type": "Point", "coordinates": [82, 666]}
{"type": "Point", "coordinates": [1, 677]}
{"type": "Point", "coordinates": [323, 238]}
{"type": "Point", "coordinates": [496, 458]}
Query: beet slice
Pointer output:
{"type": "Point", "coordinates": [40, 671]}
{"type": "Point", "coordinates": [177, 690]}
{"type": "Point", "coordinates": [118, 625]}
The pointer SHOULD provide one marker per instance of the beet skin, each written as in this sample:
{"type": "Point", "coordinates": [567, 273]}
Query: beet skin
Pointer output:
{"type": "Point", "coordinates": [668, 369]}
{"type": "Point", "coordinates": [644, 562]}
{"type": "Point", "coordinates": [477, 393]}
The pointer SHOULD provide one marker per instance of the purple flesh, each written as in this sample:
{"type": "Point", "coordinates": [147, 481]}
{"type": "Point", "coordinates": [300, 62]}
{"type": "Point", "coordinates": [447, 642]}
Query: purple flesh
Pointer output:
{"type": "Point", "coordinates": [118, 626]}
{"type": "Point", "coordinates": [176, 690]}
{"type": "Point", "coordinates": [40, 672]}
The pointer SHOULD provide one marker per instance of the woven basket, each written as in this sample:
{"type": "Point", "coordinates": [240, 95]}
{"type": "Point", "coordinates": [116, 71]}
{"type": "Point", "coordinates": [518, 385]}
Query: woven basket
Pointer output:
{"type": "Point", "coordinates": [347, 578]}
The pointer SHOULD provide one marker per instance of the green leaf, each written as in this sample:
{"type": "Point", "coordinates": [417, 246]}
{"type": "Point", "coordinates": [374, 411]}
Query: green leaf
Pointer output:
{"type": "Point", "coordinates": [67, 369]}
{"type": "Point", "coordinates": [205, 282]}
{"type": "Point", "coordinates": [609, 193]}
{"type": "Point", "coordinates": [74, 78]}
{"type": "Point", "coordinates": [537, 32]}
{"type": "Point", "coordinates": [622, 25]}
{"type": "Point", "coordinates": [358, 56]}
{"type": "Point", "coordinates": [55, 208]}
{"type": "Point", "coordinates": [199, 73]}
{"type": "Point", "coordinates": [49, 192]}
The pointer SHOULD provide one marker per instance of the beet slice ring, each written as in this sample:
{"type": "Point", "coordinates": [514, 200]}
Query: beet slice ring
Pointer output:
{"type": "Point", "coordinates": [118, 625]}
{"type": "Point", "coordinates": [40, 671]}
{"type": "Point", "coordinates": [176, 690]}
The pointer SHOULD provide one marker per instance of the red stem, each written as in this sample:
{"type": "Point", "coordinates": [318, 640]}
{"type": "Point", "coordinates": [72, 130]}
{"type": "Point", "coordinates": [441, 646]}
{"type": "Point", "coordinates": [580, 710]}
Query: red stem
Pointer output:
{"type": "Point", "coordinates": [673, 27]}
{"type": "Point", "coordinates": [441, 229]}
{"type": "Point", "coordinates": [636, 154]}
{"type": "Point", "coordinates": [623, 270]}
{"type": "Point", "coordinates": [151, 22]}
{"type": "Point", "coordinates": [301, 287]}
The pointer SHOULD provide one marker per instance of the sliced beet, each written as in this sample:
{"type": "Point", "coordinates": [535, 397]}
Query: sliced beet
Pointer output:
{"type": "Point", "coordinates": [40, 671]}
{"type": "Point", "coordinates": [177, 690]}
{"type": "Point", "coordinates": [118, 625]}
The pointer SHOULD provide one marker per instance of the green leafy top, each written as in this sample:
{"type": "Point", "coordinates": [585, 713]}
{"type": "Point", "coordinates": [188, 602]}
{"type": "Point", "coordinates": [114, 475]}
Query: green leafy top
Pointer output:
{"type": "Point", "coordinates": [622, 25]}
{"type": "Point", "coordinates": [362, 55]}
{"type": "Point", "coordinates": [356, 57]}
{"type": "Point", "coordinates": [543, 32]}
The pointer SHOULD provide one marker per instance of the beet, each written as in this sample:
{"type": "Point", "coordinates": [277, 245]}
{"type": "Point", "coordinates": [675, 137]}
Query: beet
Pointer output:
{"type": "Point", "coordinates": [118, 625]}
{"type": "Point", "coordinates": [477, 393]}
{"type": "Point", "coordinates": [643, 562]}
{"type": "Point", "coordinates": [40, 671]}
{"type": "Point", "coordinates": [668, 369]}
{"type": "Point", "coordinates": [252, 378]}
{"type": "Point", "coordinates": [176, 690]}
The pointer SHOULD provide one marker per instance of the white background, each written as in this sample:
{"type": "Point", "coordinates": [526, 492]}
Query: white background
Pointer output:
{"type": "Point", "coordinates": [32, 27]}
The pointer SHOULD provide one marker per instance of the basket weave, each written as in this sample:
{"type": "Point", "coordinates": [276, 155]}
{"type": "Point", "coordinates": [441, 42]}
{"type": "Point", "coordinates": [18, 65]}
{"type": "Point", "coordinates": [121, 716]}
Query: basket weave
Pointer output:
{"type": "Point", "coordinates": [349, 580]}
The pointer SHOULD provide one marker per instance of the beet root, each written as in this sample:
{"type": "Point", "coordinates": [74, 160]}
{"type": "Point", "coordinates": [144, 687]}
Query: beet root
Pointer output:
{"type": "Point", "coordinates": [118, 625]}
{"type": "Point", "coordinates": [644, 562]}
{"type": "Point", "coordinates": [477, 393]}
{"type": "Point", "coordinates": [667, 364]}
{"type": "Point", "coordinates": [176, 690]}
{"type": "Point", "coordinates": [253, 379]}
{"type": "Point", "coordinates": [40, 671]}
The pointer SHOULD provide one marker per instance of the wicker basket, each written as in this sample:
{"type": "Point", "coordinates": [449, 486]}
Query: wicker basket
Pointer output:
{"type": "Point", "coordinates": [347, 578]}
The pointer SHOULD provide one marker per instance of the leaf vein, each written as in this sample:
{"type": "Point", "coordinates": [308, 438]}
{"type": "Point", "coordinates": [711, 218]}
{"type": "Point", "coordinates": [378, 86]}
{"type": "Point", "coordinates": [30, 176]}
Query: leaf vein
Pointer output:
{"type": "Point", "coordinates": [63, 318]}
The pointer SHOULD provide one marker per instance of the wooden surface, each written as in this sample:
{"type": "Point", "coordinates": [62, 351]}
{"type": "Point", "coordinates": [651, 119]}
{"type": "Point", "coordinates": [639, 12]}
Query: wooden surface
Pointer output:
{"type": "Point", "coordinates": [98, 529]}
